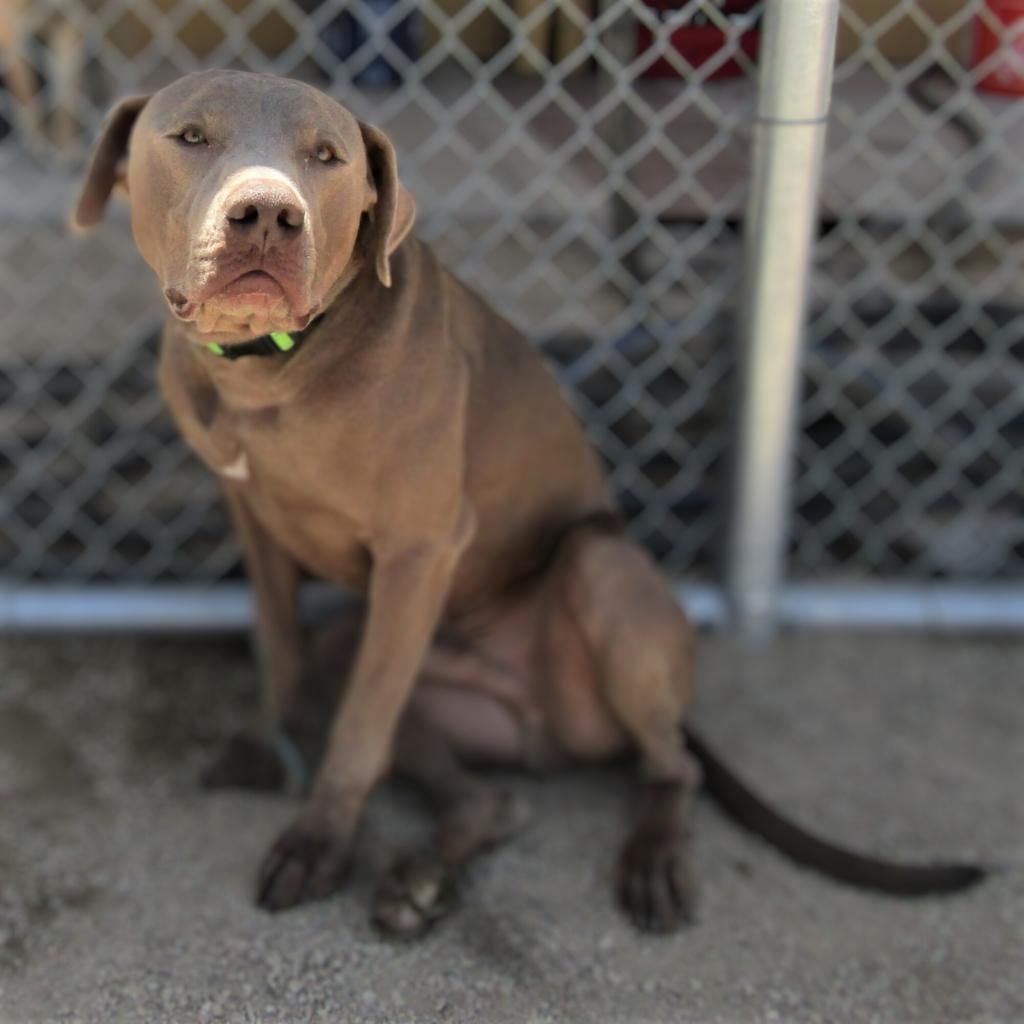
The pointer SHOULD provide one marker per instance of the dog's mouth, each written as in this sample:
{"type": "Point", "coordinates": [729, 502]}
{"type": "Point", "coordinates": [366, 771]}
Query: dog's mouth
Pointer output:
{"type": "Point", "coordinates": [246, 300]}
{"type": "Point", "coordinates": [253, 282]}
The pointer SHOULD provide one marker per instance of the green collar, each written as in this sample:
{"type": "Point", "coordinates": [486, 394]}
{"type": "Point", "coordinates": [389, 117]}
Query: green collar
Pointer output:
{"type": "Point", "coordinates": [267, 345]}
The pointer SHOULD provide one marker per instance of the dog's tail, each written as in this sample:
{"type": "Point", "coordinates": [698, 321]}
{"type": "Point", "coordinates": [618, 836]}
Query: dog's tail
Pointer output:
{"type": "Point", "coordinates": [750, 810]}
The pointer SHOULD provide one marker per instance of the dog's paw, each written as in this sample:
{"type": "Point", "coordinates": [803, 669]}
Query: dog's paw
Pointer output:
{"type": "Point", "coordinates": [248, 761]}
{"type": "Point", "coordinates": [655, 884]}
{"type": "Point", "coordinates": [309, 861]}
{"type": "Point", "coordinates": [244, 761]}
{"type": "Point", "coordinates": [415, 893]}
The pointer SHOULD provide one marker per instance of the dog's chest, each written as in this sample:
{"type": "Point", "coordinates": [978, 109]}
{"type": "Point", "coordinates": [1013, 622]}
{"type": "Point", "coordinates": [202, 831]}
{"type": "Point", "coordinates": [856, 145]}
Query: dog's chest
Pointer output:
{"type": "Point", "coordinates": [238, 432]}
{"type": "Point", "coordinates": [306, 476]}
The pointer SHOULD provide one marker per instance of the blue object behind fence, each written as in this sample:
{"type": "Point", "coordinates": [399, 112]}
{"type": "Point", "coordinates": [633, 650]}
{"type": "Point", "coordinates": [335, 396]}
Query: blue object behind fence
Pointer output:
{"type": "Point", "coordinates": [352, 33]}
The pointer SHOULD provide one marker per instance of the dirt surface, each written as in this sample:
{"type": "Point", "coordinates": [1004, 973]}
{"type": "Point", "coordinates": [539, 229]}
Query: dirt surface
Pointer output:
{"type": "Point", "coordinates": [125, 891]}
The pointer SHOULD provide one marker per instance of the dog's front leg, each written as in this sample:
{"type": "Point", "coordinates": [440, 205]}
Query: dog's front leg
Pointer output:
{"type": "Point", "coordinates": [263, 755]}
{"type": "Point", "coordinates": [408, 588]}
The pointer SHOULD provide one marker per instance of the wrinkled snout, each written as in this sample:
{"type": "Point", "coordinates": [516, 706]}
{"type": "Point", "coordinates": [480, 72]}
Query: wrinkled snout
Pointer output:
{"type": "Point", "coordinates": [264, 209]}
{"type": "Point", "coordinates": [251, 261]}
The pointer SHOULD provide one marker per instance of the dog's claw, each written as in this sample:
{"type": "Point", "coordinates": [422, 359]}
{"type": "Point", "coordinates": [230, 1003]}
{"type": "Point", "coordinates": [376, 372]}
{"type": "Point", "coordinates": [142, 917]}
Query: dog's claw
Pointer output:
{"type": "Point", "coordinates": [655, 885]}
{"type": "Point", "coordinates": [413, 894]}
{"type": "Point", "coordinates": [306, 863]}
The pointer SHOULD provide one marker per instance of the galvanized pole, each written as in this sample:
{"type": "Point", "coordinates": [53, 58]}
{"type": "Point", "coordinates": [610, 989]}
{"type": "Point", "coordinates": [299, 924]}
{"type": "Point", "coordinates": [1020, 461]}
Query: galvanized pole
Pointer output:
{"type": "Point", "coordinates": [796, 57]}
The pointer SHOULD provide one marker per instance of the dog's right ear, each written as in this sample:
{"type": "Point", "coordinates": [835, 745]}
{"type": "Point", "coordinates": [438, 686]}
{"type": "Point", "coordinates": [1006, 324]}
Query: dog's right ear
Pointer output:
{"type": "Point", "coordinates": [107, 163]}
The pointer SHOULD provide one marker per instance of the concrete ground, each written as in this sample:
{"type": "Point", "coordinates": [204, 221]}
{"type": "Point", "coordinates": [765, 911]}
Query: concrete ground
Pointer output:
{"type": "Point", "coordinates": [125, 891]}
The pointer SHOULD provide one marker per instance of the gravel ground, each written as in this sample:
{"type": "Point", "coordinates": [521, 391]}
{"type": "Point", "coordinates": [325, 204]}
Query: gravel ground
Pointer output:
{"type": "Point", "coordinates": [125, 890]}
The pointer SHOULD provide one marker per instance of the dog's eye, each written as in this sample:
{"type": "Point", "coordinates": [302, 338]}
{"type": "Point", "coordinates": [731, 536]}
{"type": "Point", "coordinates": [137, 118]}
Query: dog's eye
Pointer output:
{"type": "Point", "coordinates": [325, 154]}
{"type": "Point", "coordinates": [193, 136]}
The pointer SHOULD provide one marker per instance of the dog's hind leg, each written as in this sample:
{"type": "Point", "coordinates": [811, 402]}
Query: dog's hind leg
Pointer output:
{"type": "Point", "coordinates": [608, 591]}
{"type": "Point", "coordinates": [473, 815]}
{"type": "Point", "coordinates": [67, 72]}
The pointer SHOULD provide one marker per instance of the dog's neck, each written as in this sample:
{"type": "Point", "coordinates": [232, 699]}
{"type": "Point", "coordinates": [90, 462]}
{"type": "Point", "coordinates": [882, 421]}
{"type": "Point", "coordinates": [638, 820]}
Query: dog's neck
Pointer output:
{"type": "Point", "coordinates": [348, 332]}
{"type": "Point", "coordinates": [273, 344]}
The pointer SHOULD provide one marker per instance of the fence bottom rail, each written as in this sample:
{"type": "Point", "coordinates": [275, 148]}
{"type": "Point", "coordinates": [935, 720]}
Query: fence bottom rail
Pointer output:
{"type": "Point", "coordinates": [227, 607]}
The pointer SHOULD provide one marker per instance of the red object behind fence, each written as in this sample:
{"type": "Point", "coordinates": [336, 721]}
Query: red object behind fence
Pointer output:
{"type": "Point", "coordinates": [1001, 50]}
{"type": "Point", "coordinates": [700, 40]}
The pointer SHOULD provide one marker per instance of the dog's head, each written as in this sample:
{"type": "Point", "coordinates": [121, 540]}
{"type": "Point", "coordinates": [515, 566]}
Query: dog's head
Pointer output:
{"type": "Point", "coordinates": [252, 197]}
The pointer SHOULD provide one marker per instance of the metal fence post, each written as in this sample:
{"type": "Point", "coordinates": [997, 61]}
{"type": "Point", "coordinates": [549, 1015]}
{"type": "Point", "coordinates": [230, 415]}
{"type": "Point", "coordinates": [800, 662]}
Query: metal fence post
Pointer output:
{"type": "Point", "coordinates": [797, 53]}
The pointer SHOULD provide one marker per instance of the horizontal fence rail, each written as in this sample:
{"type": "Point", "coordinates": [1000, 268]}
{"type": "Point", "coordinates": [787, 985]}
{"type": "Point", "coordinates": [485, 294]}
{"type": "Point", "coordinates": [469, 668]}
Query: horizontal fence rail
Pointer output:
{"type": "Point", "coordinates": [227, 607]}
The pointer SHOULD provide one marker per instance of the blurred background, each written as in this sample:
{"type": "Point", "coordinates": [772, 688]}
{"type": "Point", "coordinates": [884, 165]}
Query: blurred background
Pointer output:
{"type": "Point", "coordinates": [586, 166]}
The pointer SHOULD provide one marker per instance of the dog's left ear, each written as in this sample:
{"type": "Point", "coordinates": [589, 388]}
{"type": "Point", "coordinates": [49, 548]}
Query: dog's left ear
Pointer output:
{"type": "Point", "coordinates": [393, 212]}
{"type": "Point", "coordinates": [107, 163]}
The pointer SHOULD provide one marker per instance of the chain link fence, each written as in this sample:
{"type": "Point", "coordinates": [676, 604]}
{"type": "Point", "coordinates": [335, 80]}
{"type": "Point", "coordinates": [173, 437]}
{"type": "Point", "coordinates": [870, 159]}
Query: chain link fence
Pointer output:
{"type": "Point", "coordinates": [911, 456]}
{"type": "Point", "coordinates": [585, 166]}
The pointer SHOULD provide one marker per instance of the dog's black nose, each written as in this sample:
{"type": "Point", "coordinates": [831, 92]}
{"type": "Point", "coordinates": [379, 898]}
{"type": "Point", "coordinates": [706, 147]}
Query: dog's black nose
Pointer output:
{"type": "Point", "coordinates": [269, 208]}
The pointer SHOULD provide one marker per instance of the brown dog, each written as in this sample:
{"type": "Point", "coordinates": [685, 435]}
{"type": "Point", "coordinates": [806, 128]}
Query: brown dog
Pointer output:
{"type": "Point", "coordinates": [406, 442]}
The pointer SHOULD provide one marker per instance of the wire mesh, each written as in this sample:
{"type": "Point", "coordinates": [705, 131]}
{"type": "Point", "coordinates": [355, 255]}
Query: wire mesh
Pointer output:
{"type": "Point", "coordinates": [586, 200]}
{"type": "Point", "coordinates": [585, 166]}
{"type": "Point", "coordinates": [911, 454]}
